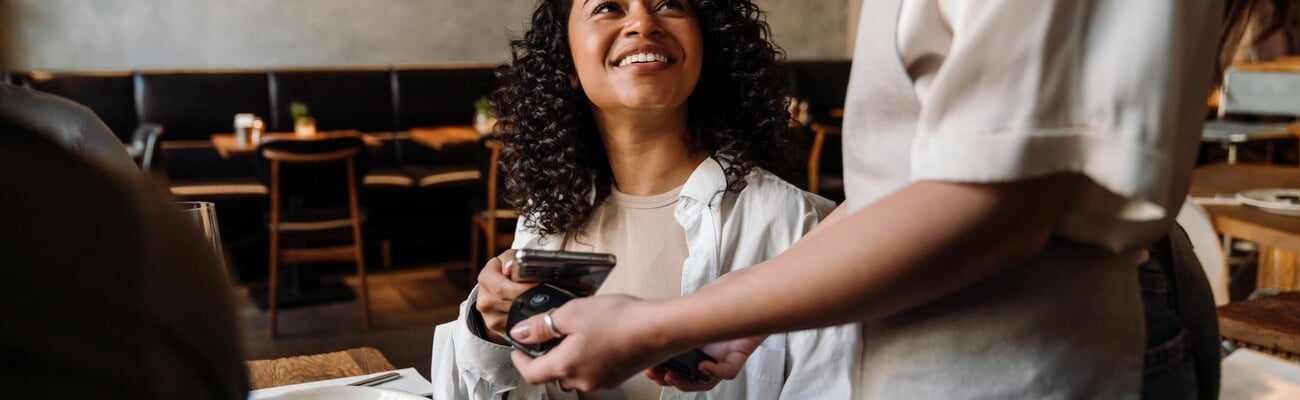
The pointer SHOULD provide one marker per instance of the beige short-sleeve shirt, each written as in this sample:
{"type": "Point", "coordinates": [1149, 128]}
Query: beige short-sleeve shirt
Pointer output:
{"type": "Point", "coordinates": [1003, 90]}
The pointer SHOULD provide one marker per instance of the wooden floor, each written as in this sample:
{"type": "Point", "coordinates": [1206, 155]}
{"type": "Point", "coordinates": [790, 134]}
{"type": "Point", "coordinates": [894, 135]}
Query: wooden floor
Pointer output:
{"type": "Point", "coordinates": [406, 305]}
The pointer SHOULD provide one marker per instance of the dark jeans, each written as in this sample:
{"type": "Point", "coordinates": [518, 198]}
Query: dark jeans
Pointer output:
{"type": "Point", "coordinates": [1182, 352]}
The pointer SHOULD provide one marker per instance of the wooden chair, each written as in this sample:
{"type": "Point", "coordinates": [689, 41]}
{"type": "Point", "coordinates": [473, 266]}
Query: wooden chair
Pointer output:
{"type": "Point", "coordinates": [816, 182]}
{"type": "Point", "coordinates": [494, 222]}
{"type": "Point", "coordinates": [313, 192]}
{"type": "Point", "coordinates": [1257, 92]}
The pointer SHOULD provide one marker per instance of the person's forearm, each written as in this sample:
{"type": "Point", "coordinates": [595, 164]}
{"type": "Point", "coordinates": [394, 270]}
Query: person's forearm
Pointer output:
{"type": "Point", "coordinates": [919, 244]}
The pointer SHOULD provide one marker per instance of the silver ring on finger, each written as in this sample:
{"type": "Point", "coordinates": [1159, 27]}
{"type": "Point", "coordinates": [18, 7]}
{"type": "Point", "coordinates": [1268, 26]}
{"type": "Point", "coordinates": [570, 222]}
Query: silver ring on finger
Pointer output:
{"type": "Point", "coordinates": [550, 323]}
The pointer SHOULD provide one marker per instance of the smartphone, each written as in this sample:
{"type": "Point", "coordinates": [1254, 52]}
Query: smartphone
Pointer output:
{"type": "Point", "coordinates": [538, 300]}
{"type": "Point", "coordinates": [580, 272]}
{"type": "Point", "coordinates": [688, 364]}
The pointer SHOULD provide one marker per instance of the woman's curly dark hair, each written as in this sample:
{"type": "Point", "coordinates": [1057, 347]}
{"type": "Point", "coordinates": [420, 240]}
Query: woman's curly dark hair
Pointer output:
{"type": "Point", "coordinates": [553, 160]}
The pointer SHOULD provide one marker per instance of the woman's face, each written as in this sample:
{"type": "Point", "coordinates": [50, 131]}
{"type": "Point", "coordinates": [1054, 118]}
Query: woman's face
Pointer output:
{"type": "Point", "coordinates": [635, 54]}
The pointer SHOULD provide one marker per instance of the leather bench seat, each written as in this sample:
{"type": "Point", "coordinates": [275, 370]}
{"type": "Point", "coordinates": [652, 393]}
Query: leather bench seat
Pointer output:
{"type": "Point", "coordinates": [192, 105]}
{"type": "Point", "coordinates": [438, 96]}
{"type": "Point", "coordinates": [111, 95]}
{"type": "Point", "coordinates": [360, 99]}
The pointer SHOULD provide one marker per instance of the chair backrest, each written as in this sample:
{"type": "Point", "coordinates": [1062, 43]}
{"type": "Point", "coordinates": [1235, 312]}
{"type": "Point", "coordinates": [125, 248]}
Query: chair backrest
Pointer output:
{"type": "Point", "coordinates": [312, 173]}
{"type": "Point", "coordinates": [489, 164]}
{"type": "Point", "coordinates": [1275, 93]}
{"type": "Point", "coordinates": [147, 141]}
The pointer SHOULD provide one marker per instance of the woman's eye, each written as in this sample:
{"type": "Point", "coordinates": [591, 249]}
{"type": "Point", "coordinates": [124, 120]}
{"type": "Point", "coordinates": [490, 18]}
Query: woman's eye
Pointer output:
{"type": "Point", "coordinates": [606, 8]}
{"type": "Point", "coordinates": [670, 5]}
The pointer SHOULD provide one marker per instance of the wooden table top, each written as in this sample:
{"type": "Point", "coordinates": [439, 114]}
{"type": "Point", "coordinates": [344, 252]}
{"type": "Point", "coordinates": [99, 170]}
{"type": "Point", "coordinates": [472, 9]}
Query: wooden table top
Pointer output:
{"type": "Point", "coordinates": [1245, 222]}
{"type": "Point", "coordinates": [1228, 179]}
{"type": "Point", "coordinates": [1270, 324]}
{"type": "Point", "coordinates": [300, 369]}
{"type": "Point", "coordinates": [438, 137]}
{"type": "Point", "coordinates": [1283, 64]}
{"type": "Point", "coordinates": [227, 147]}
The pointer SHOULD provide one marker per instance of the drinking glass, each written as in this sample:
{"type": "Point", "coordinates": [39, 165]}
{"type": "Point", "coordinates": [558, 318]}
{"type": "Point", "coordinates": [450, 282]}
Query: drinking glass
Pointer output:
{"type": "Point", "coordinates": [204, 215]}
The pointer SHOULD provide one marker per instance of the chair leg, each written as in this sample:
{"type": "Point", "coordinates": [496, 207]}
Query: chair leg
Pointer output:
{"type": "Point", "coordinates": [386, 253]}
{"type": "Point", "coordinates": [490, 239]}
{"type": "Point", "coordinates": [361, 272]}
{"type": "Point", "coordinates": [473, 249]}
{"type": "Point", "coordinates": [814, 160]}
{"type": "Point", "coordinates": [274, 283]}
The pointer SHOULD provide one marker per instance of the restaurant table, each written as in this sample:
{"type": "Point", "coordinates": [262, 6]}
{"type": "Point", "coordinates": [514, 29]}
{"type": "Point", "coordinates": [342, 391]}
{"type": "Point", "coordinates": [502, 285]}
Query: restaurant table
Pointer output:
{"type": "Point", "coordinates": [1245, 222]}
{"type": "Point", "coordinates": [1268, 324]}
{"type": "Point", "coordinates": [1278, 235]}
{"type": "Point", "coordinates": [438, 137]}
{"type": "Point", "coordinates": [227, 147]}
{"type": "Point", "coordinates": [316, 367]}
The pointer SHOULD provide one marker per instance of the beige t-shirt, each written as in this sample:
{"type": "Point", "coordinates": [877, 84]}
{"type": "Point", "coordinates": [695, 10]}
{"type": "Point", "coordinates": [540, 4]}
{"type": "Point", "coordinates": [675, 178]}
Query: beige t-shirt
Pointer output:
{"type": "Point", "coordinates": [651, 246]}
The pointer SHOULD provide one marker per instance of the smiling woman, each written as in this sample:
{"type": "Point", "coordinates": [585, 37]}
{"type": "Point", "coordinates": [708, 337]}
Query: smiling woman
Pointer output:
{"type": "Point", "coordinates": [645, 129]}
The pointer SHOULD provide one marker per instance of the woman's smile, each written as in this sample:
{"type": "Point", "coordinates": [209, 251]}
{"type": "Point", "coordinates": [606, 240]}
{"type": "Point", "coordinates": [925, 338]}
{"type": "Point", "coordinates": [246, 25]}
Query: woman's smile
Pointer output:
{"type": "Point", "coordinates": [644, 59]}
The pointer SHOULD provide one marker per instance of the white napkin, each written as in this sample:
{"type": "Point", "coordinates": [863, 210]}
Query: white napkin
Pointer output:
{"type": "Point", "coordinates": [411, 381]}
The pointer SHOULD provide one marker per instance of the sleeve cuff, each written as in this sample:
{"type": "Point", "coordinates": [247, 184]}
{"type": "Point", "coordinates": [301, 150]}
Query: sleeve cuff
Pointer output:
{"type": "Point", "coordinates": [1138, 175]}
{"type": "Point", "coordinates": [1126, 203]}
{"type": "Point", "coordinates": [482, 358]}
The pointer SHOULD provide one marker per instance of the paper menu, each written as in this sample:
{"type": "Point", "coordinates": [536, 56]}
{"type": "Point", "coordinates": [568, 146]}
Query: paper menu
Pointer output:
{"type": "Point", "coordinates": [411, 381]}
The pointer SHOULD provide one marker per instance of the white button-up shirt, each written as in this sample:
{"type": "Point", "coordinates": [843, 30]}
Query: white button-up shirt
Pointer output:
{"type": "Point", "coordinates": [724, 232]}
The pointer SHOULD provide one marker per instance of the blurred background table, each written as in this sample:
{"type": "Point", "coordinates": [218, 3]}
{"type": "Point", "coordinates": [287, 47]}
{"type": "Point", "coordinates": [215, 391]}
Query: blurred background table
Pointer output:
{"type": "Point", "coordinates": [1245, 222]}
{"type": "Point", "coordinates": [310, 368]}
{"type": "Point", "coordinates": [227, 146]}
{"type": "Point", "coordinates": [438, 137]}
{"type": "Point", "coordinates": [1278, 236]}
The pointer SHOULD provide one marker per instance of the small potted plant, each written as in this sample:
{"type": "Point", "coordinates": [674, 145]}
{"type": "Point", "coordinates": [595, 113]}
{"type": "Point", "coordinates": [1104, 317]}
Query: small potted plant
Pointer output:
{"type": "Point", "coordinates": [303, 124]}
{"type": "Point", "coordinates": [484, 120]}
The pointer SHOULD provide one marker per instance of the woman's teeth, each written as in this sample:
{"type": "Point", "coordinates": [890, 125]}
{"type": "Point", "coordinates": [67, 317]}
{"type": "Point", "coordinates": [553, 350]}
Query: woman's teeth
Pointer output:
{"type": "Point", "coordinates": [643, 58]}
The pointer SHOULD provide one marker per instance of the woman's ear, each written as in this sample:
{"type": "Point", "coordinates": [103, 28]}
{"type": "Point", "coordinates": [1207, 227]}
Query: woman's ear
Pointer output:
{"type": "Point", "coordinates": [574, 82]}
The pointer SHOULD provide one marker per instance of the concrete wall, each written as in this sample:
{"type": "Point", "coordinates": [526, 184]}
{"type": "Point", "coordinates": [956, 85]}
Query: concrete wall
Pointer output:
{"type": "Point", "coordinates": [809, 29]}
{"type": "Point", "coordinates": [126, 34]}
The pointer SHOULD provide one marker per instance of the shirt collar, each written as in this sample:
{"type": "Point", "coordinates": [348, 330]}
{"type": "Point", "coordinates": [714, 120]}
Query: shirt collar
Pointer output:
{"type": "Point", "coordinates": [704, 184]}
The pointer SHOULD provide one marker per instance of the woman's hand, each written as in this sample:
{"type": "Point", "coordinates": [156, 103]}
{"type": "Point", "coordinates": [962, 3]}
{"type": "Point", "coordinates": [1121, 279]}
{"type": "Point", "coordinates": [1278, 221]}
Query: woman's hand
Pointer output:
{"type": "Point", "coordinates": [731, 356]}
{"type": "Point", "coordinates": [496, 293]}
